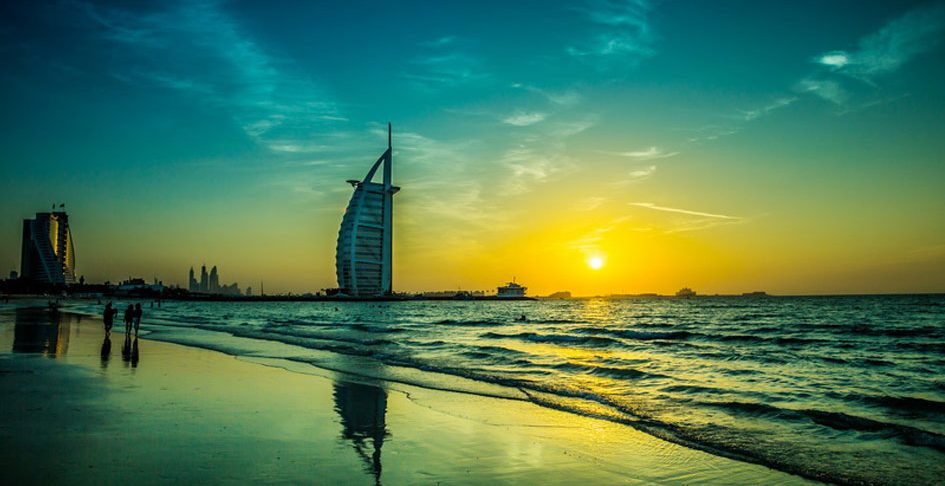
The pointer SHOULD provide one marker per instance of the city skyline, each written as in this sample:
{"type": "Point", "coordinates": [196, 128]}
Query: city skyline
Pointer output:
{"type": "Point", "coordinates": [594, 147]}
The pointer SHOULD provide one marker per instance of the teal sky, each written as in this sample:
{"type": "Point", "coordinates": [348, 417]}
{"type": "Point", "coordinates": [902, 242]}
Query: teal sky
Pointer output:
{"type": "Point", "coordinates": [797, 147]}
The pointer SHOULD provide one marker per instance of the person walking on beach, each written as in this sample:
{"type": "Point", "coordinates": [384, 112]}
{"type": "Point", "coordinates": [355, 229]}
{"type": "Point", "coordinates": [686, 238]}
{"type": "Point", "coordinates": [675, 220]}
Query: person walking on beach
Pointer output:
{"type": "Point", "coordinates": [108, 316]}
{"type": "Point", "coordinates": [137, 317]}
{"type": "Point", "coordinates": [129, 318]}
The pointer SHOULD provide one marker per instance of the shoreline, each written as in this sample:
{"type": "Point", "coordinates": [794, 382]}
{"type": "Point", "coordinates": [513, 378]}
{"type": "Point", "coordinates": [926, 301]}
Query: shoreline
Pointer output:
{"type": "Point", "coordinates": [506, 431]}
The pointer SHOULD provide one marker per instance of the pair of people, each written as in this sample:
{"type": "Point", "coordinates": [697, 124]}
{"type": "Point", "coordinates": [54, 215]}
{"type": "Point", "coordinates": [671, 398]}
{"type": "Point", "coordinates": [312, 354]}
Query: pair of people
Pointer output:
{"type": "Point", "coordinates": [132, 318]}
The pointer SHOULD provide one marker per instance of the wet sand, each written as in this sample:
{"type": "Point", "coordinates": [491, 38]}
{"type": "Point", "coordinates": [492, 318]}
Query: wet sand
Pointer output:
{"type": "Point", "coordinates": [71, 414]}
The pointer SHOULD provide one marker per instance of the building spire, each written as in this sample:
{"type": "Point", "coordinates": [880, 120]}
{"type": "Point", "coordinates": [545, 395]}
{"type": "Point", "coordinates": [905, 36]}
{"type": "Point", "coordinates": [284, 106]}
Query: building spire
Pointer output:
{"type": "Point", "coordinates": [388, 136]}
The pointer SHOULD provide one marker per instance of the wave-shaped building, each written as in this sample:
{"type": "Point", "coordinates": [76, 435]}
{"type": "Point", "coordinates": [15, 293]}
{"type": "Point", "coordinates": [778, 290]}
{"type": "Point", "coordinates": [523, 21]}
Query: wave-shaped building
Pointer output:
{"type": "Point", "coordinates": [48, 253]}
{"type": "Point", "coordinates": [363, 254]}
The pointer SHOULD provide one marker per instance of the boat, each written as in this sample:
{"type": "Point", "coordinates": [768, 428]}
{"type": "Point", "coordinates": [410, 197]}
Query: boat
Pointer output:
{"type": "Point", "coordinates": [511, 290]}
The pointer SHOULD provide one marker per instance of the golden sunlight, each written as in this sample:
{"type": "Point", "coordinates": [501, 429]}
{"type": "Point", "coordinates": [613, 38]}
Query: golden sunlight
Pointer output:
{"type": "Point", "coordinates": [595, 262]}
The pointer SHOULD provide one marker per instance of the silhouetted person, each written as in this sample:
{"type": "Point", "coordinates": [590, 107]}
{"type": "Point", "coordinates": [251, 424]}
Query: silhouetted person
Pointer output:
{"type": "Point", "coordinates": [134, 353]}
{"type": "Point", "coordinates": [106, 350]}
{"type": "Point", "coordinates": [137, 317]}
{"type": "Point", "coordinates": [108, 316]}
{"type": "Point", "coordinates": [129, 318]}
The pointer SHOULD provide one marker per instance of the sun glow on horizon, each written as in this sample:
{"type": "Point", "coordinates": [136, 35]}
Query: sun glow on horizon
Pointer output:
{"type": "Point", "coordinates": [596, 263]}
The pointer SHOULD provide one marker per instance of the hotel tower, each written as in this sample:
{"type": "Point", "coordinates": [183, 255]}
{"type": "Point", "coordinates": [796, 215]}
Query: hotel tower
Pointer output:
{"type": "Point", "coordinates": [363, 255]}
{"type": "Point", "coordinates": [48, 254]}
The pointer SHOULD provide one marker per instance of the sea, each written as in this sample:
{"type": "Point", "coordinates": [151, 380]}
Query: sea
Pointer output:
{"type": "Point", "coordinates": [844, 389]}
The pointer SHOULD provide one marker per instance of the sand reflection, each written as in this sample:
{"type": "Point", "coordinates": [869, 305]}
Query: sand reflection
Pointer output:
{"type": "Point", "coordinates": [42, 331]}
{"type": "Point", "coordinates": [362, 409]}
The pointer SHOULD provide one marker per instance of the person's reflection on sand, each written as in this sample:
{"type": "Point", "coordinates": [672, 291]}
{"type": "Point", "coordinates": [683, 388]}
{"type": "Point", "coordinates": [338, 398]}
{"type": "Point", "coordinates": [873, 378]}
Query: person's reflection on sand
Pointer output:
{"type": "Point", "coordinates": [362, 409]}
{"type": "Point", "coordinates": [106, 350]}
{"type": "Point", "coordinates": [134, 353]}
{"type": "Point", "coordinates": [41, 331]}
{"type": "Point", "coordinates": [126, 348]}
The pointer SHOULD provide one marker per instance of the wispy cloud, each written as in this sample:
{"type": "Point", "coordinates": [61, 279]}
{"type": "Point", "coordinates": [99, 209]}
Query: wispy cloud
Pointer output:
{"type": "Point", "coordinates": [827, 89]}
{"type": "Point", "coordinates": [684, 211]}
{"type": "Point", "coordinates": [776, 104]}
{"type": "Point", "coordinates": [642, 172]}
{"type": "Point", "coordinates": [444, 63]}
{"type": "Point", "coordinates": [569, 128]}
{"type": "Point", "coordinates": [622, 31]}
{"type": "Point", "coordinates": [562, 98]}
{"type": "Point", "coordinates": [440, 42]}
{"type": "Point", "coordinates": [522, 118]}
{"type": "Point", "coordinates": [635, 175]}
{"type": "Point", "coordinates": [689, 220]}
{"type": "Point", "coordinates": [649, 153]}
{"type": "Point", "coordinates": [880, 53]}
{"type": "Point", "coordinates": [886, 50]}
{"type": "Point", "coordinates": [196, 48]}
{"type": "Point", "coordinates": [529, 166]}
{"type": "Point", "coordinates": [708, 133]}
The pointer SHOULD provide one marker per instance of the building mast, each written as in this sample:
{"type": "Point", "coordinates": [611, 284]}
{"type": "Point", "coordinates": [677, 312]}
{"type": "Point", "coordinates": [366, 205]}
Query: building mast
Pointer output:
{"type": "Point", "coordinates": [386, 270]}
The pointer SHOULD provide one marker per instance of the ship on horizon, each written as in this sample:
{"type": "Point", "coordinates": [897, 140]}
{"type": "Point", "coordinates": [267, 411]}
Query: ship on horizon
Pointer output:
{"type": "Point", "coordinates": [511, 290]}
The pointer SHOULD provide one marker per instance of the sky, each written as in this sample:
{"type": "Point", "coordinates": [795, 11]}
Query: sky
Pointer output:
{"type": "Point", "coordinates": [731, 146]}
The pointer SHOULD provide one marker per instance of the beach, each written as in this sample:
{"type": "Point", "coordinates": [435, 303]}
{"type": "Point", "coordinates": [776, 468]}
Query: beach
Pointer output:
{"type": "Point", "coordinates": [184, 414]}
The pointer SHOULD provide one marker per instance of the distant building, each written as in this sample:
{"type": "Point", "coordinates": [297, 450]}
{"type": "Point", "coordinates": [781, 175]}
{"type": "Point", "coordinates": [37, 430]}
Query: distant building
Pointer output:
{"type": "Point", "coordinates": [511, 290]}
{"type": "Point", "coordinates": [363, 255]}
{"type": "Point", "coordinates": [48, 252]}
{"type": "Point", "coordinates": [192, 284]}
{"type": "Point", "coordinates": [204, 280]}
{"type": "Point", "coordinates": [686, 292]}
{"type": "Point", "coordinates": [440, 294]}
{"type": "Point", "coordinates": [249, 291]}
{"type": "Point", "coordinates": [213, 284]}
{"type": "Point", "coordinates": [210, 283]}
{"type": "Point", "coordinates": [133, 284]}
{"type": "Point", "coordinates": [13, 275]}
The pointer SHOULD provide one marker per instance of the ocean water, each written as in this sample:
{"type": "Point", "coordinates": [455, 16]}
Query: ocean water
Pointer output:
{"type": "Point", "coordinates": [841, 389]}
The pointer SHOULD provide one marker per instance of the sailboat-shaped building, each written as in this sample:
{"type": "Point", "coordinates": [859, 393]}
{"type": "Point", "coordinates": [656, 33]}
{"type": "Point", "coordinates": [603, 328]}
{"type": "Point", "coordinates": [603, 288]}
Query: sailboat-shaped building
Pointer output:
{"type": "Point", "coordinates": [363, 255]}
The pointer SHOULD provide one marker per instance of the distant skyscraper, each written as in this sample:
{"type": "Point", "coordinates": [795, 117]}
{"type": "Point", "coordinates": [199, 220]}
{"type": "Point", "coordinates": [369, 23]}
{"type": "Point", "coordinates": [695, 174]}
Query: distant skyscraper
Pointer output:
{"type": "Point", "coordinates": [48, 254]}
{"type": "Point", "coordinates": [363, 254]}
{"type": "Point", "coordinates": [210, 283]}
{"type": "Point", "coordinates": [192, 285]}
{"type": "Point", "coordinates": [213, 285]}
{"type": "Point", "coordinates": [204, 279]}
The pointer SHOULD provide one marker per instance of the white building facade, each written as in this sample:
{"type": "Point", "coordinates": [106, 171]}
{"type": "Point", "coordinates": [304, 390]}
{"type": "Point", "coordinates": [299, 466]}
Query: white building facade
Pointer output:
{"type": "Point", "coordinates": [363, 255]}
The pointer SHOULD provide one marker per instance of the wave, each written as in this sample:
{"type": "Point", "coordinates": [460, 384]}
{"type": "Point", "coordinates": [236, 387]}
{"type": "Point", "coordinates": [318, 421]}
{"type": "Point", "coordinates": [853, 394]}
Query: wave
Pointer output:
{"type": "Point", "coordinates": [470, 323]}
{"type": "Point", "coordinates": [908, 405]}
{"type": "Point", "coordinates": [694, 389]}
{"type": "Point", "coordinates": [554, 338]}
{"type": "Point", "coordinates": [924, 331]}
{"type": "Point", "coordinates": [903, 433]}
{"type": "Point", "coordinates": [608, 371]}
{"type": "Point", "coordinates": [838, 421]}
{"type": "Point", "coordinates": [647, 335]}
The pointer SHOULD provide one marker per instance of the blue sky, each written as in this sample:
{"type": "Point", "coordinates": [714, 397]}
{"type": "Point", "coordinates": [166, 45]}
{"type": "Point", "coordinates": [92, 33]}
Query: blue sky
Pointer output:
{"type": "Point", "coordinates": [222, 132]}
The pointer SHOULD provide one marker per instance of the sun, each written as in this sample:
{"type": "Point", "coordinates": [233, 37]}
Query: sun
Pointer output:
{"type": "Point", "coordinates": [596, 263]}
